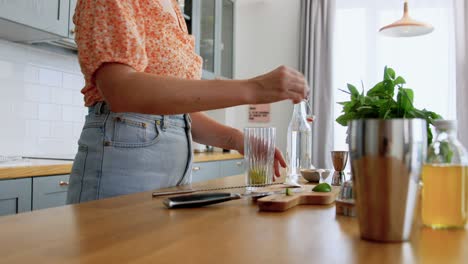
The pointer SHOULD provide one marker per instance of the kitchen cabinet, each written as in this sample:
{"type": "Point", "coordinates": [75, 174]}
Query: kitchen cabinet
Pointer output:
{"type": "Point", "coordinates": [15, 196]}
{"type": "Point", "coordinates": [231, 167]}
{"type": "Point", "coordinates": [46, 15]}
{"type": "Point", "coordinates": [50, 191]}
{"type": "Point", "coordinates": [226, 55]}
{"type": "Point", "coordinates": [206, 36]}
{"type": "Point", "coordinates": [213, 27]}
{"type": "Point", "coordinates": [202, 171]}
{"type": "Point", "coordinates": [71, 25]}
{"type": "Point", "coordinates": [22, 195]}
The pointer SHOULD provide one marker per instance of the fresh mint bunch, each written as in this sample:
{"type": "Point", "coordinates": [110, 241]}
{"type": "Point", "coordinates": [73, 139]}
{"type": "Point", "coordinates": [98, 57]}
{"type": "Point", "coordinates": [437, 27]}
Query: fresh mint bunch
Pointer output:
{"type": "Point", "coordinates": [379, 102]}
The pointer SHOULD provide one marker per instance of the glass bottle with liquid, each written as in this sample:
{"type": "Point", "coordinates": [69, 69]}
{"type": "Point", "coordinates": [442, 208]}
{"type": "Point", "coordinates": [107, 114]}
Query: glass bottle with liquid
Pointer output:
{"type": "Point", "coordinates": [299, 143]}
{"type": "Point", "coordinates": [444, 178]}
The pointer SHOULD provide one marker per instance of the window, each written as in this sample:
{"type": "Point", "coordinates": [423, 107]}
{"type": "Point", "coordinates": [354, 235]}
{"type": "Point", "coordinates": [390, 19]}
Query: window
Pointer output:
{"type": "Point", "coordinates": [426, 62]}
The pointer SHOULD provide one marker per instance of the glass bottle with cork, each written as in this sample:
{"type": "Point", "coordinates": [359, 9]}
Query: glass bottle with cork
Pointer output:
{"type": "Point", "coordinates": [299, 143]}
{"type": "Point", "coordinates": [444, 178]}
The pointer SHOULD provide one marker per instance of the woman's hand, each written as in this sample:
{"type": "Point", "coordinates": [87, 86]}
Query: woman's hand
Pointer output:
{"type": "Point", "coordinates": [279, 159]}
{"type": "Point", "coordinates": [280, 84]}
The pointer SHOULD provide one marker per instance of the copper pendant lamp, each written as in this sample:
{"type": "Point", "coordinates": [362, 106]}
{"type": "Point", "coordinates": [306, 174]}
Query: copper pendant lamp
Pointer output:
{"type": "Point", "coordinates": [406, 26]}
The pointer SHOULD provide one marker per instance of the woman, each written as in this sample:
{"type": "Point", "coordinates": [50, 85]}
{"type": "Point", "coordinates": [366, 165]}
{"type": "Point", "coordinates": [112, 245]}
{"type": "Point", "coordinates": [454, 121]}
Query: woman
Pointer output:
{"type": "Point", "coordinates": [142, 78]}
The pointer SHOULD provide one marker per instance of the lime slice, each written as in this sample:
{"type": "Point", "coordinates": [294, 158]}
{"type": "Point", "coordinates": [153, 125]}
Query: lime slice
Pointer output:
{"type": "Point", "coordinates": [322, 187]}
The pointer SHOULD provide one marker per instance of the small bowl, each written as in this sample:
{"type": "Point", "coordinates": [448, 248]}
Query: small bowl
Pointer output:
{"type": "Point", "coordinates": [313, 175]}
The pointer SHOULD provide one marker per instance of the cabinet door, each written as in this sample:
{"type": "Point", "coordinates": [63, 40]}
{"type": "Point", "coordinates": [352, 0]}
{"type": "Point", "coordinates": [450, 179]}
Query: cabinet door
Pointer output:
{"type": "Point", "coordinates": [207, 37]}
{"type": "Point", "coordinates": [231, 167]}
{"type": "Point", "coordinates": [47, 15]}
{"type": "Point", "coordinates": [50, 191]}
{"type": "Point", "coordinates": [227, 40]}
{"type": "Point", "coordinates": [202, 171]}
{"type": "Point", "coordinates": [15, 196]}
{"type": "Point", "coordinates": [71, 25]}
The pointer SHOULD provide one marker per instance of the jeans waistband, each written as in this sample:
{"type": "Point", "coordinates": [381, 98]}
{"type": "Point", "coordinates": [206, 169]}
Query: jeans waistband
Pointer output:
{"type": "Point", "coordinates": [101, 108]}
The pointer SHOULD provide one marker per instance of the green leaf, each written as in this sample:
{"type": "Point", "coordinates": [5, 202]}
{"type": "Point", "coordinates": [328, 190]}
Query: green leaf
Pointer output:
{"type": "Point", "coordinates": [405, 99]}
{"type": "Point", "coordinates": [387, 114]}
{"type": "Point", "coordinates": [376, 90]}
{"type": "Point", "coordinates": [352, 89]}
{"type": "Point", "coordinates": [389, 73]}
{"type": "Point", "coordinates": [345, 118]}
{"type": "Point", "coordinates": [344, 91]}
{"type": "Point", "coordinates": [389, 88]}
{"type": "Point", "coordinates": [399, 80]}
{"type": "Point", "coordinates": [446, 151]}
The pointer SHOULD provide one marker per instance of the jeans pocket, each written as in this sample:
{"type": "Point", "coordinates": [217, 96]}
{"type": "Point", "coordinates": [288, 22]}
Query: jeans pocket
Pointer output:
{"type": "Point", "coordinates": [131, 132]}
{"type": "Point", "coordinates": [77, 174]}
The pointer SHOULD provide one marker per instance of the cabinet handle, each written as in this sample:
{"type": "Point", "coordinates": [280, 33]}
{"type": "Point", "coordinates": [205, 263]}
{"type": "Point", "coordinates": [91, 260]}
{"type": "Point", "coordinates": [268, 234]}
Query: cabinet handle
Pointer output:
{"type": "Point", "coordinates": [63, 183]}
{"type": "Point", "coordinates": [58, 11]}
{"type": "Point", "coordinates": [239, 163]}
{"type": "Point", "coordinates": [196, 168]}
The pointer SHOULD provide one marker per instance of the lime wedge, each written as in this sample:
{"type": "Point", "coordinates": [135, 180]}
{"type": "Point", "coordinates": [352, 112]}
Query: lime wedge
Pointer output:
{"type": "Point", "coordinates": [322, 187]}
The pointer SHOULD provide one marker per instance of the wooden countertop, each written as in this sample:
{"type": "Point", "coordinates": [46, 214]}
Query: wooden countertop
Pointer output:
{"type": "Point", "coordinates": [138, 229]}
{"type": "Point", "coordinates": [34, 167]}
{"type": "Point", "coordinates": [42, 167]}
{"type": "Point", "coordinates": [216, 156]}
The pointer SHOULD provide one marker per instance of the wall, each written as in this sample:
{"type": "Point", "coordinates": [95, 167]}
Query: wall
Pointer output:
{"type": "Point", "coordinates": [40, 104]}
{"type": "Point", "coordinates": [266, 36]}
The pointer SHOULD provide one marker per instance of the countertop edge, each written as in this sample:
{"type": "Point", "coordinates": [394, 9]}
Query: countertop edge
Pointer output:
{"type": "Point", "coordinates": [17, 172]}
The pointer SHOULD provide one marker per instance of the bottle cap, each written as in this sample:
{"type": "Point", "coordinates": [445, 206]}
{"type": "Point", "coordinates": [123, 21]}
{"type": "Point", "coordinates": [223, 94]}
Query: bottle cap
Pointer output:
{"type": "Point", "coordinates": [445, 124]}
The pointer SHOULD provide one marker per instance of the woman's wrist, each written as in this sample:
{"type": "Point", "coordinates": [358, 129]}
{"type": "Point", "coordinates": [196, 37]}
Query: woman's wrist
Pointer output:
{"type": "Point", "coordinates": [237, 140]}
{"type": "Point", "coordinates": [249, 90]}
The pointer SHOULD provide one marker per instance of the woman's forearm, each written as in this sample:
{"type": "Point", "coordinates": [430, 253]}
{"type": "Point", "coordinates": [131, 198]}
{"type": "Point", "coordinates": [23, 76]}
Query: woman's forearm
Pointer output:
{"type": "Point", "coordinates": [129, 91]}
{"type": "Point", "coordinates": [209, 132]}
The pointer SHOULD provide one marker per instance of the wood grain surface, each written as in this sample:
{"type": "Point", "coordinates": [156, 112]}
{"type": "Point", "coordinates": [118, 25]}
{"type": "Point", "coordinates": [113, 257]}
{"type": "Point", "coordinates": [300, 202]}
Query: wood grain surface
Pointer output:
{"type": "Point", "coordinates": [216, 156]}
{"type": "Point", "coordinates": [139, 229]}
{"type": "Point", "coordinates": [281, 202]}
{"type": "Point", "coordinates": [40, 167]}
{"type": "Point", "coordinates": [34, 167]}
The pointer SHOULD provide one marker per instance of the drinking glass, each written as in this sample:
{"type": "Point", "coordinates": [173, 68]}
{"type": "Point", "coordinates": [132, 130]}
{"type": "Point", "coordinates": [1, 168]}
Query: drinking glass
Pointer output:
{"type": "Point", "coordinates": [259, 153]}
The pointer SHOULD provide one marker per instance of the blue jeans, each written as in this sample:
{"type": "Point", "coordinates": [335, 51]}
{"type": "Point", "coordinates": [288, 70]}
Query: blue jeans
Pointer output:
{"type": "Point", "coordinates": [123, 153]}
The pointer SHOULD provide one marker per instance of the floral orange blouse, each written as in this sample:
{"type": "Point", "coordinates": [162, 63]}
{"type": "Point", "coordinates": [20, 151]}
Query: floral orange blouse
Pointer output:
{"type": "Point", "coordinates": [138, 33]}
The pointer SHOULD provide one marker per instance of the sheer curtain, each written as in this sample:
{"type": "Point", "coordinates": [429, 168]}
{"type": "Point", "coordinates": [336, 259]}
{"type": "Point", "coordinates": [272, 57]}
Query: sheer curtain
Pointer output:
{"type": "Point", "coordinates": [461, 36]}
{"type": "Point", "coordinates": [317, 18]}
{"type": "Point", "coordinates": [426, 62]}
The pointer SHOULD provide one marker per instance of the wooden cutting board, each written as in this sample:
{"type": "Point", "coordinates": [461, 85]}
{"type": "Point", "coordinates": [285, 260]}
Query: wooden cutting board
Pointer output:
{"type": "Point", "coordinates": [281, 202]}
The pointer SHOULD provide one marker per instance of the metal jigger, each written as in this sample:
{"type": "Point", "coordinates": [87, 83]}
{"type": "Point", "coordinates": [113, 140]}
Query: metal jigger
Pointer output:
{"type": "Point", "coordinates": [339, 158]}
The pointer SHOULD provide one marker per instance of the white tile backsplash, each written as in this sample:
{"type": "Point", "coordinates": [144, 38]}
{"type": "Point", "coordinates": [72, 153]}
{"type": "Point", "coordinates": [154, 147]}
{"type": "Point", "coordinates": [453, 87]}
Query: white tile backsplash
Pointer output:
{"type": "Point", "coordinates": [72, 81]}
{"type": "Point", "coordinates": [50, 112]}
{"type": "Point", "coordinates": [40, 101]}
{"type": "Point", "coordinates": [26, 110]}
{"type": "Point", "coordinates": [31, 74]}
{"type": "Point", "coordinates": [78, 113]}
{"type": "Point", "coordinates": [61, 130]}
{"type": "Point", "coordinates": [50, 77]}
{"type": "Point", "coordinates": [61, 96]}
{"type": "Point", "coordinates": [78, 99]}
{"type": "Point", "coordinates": [43, 128]}
{"type": "Point", "coordinates": [6, 69]}
{"type": "Point", "coordinates": [77, 128]}
{"type": "Point", "coordinates": [37, 93]}
{"type": "Point", "coordinates": [67, 113]}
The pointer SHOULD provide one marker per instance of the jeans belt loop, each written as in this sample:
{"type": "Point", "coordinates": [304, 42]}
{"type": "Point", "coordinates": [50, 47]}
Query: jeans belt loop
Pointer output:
{"type": "Point", "coordinates": [97, 108]}
{"type": "Point", "coordinates": [164, 123]}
